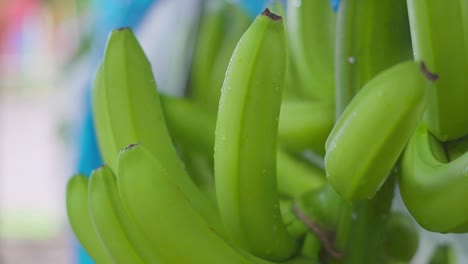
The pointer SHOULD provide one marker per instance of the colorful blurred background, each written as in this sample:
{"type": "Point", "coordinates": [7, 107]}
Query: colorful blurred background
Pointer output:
{"type": "Point", "coordinates": [48, 54]}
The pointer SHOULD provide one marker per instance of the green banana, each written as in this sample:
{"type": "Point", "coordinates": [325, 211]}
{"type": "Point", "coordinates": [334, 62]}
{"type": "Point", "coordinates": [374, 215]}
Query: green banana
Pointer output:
{"type": "Point", "coordinates": [237, 22]}
{"type": "Point", "coordinates": [439, 31]}
{"type": "Point", "coordinates": [80, 220]}
{"type": "Point", "coordinates": [106, 222]}
{"type": "Point", "coordinates": [368, 138]}
{"type": "Point", "coordinates": [208, 42]}
{"type": "Point", "coordinates": [370, 37]}
{"type": "Point", "coordinates": [176, 230]}
{"type": "Point", "coordinates": [245, 141]}
{"type": "Point", "coordinates": [221, 26]}
{"type": "Point", "coordinates": [127, 107]}
{"type": "Point", "coordinates": [434, 191]}
{"type": "Point", "coordinates": [311, 38]}
{"type": "Point", "coordinates": [122, 238]}
{"type": "Point", "coordinates": [305, 124]}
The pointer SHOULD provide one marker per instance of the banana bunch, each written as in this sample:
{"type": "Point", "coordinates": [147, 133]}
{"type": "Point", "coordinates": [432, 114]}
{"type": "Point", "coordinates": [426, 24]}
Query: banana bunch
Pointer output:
{"type": "Point", "coordinates": [223, 174]}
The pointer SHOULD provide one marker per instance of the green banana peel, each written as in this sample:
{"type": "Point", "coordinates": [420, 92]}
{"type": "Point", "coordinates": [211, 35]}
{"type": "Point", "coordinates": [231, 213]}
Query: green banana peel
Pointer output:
{"type": "Point", "coordinates": [245, 141]}
{"type": "Point", "coordinates": [116, 227]}
{"type": "Point", "coordinates": [392, 103]}
{"type": "Point", "coordinates": [439, 32]}
{"type": "Point", "coordinates": [370, 37]}
{"type": "Point", "coordinates": [434, 191]}
{"type": "Point", "coordinates": [80, 219]}
{"type": "Point", "coordinates": [105, 213]}
{"type": "Point", "coordinates": [311, 41]}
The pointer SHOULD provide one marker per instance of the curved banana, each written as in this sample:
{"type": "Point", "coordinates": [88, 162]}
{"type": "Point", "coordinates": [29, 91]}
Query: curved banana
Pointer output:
{"type": "Point", "coordinates": [117, 230]}
{"type": "Point", "coordinates": [176, 230]}
{"type": "Point", "coordinates": [433, 189]}
{"type": "Point", "coordinates": [305, 125]}
{"type": "Point", "coordinates": [245, 141]}
{"type": "Point", "coordinates": [368, 138]}
{"type": "Point", "coordinates": [439, 32]}
{"type": "Point", "coordinates": [80, 220]}
{"type": "Point", "coordinates": [127, 109]}
{"type": "Point", "coordinates": [311, 38]}
{"type": "Point", "coordinates": [371, 36]}
{"type": "Point", "coordinates": [106, 223]}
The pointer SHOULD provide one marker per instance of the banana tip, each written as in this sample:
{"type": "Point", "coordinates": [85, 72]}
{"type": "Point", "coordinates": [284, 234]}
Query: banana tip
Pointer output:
{"type": "Point", "coordinates": [130, 146]}
{"type": "Point", "coordinates": [429, 75]}
{"type": "Point", "coordinates": [271, 15]}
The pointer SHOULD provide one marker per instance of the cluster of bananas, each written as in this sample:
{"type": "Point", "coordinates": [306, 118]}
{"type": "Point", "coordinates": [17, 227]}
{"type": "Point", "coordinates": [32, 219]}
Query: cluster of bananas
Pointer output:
{"type": "Point", "coordinates": [259, 171]}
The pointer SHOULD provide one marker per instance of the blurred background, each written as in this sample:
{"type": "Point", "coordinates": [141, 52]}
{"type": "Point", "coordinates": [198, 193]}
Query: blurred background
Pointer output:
{"type": "Point", "coordinates": [39, 40]}
{"type": "Point", "coordinates": [49, 50]}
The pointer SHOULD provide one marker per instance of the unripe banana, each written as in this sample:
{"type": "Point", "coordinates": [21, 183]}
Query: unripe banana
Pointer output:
{"type": "Point", "coordinates": [305, 125]}
{"type": "Point", "coordinates": [120, 234]}
{"type": "Point", "coordinates": [177, 231]}
{"type": "Point", "coordinates": [80, 220]}
{"type": "Point", "coordinates": [371, 36]}
{"type": "Point", "coordinates": [311, 38]}
{"type": "Point", "coordinates": [221, 26]}
{"type": "Point", "coordinates": [208, 41]}
{"type": "Point", "coordinates": [106, 222]}
{"type": "Point", "coordinates": [236, 23]}
{"type": "Point", "coordinates": [371, 133]}
{"type": "Point", "coordinates": [127, 110]}
{"type": "Point", "coordinates": [434, 191]}
{"type": "Point", "coordinates": [439, 31]}
{"type": "Point", "coordinates": [245, 141]}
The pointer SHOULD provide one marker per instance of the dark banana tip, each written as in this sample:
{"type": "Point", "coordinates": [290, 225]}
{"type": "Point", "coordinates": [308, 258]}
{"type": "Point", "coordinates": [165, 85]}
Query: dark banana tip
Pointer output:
{"type": "Point", "coordinates": [271, 15]}
{"type": "Point", "coordinates": [122, 28]}
{"type": "Point", "coordinates": [429, 75]}
{"type": "Point", "coordinates": [130, 146]}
